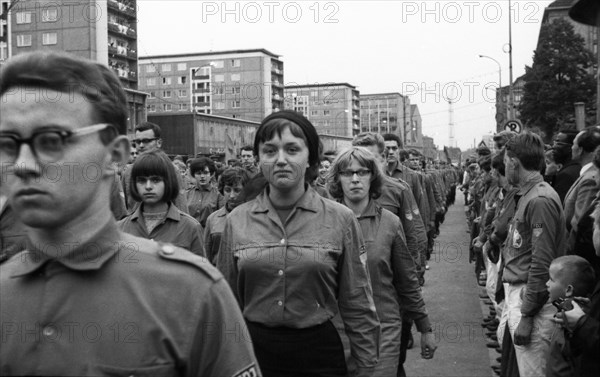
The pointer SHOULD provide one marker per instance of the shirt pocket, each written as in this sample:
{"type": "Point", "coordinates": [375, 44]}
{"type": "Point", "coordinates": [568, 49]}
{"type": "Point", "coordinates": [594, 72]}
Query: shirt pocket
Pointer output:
{"type": "Point", "coordinates": [144, 371]}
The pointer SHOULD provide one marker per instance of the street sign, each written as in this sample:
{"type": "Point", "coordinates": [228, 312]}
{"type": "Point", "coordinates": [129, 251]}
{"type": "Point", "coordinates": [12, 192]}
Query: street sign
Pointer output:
{"type": "Point", "coordinates": [514, 126]}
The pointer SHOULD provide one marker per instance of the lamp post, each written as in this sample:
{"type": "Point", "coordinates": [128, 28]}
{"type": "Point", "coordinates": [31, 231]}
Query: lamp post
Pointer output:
{"type": "Point", "coordinates": [500, 95]}
{"type": "Point", "coordinates": [336, 123]}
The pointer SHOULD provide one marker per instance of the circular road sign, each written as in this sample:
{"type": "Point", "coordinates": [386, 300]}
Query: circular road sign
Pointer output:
{"type": "Point", "coordinates": [514, 126]}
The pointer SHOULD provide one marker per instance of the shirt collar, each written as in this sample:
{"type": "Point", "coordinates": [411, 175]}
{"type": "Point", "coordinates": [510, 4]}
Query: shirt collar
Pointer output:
{"type": "Point", "coordinates": [529, 184]}
{"type": "Point", "coordinates": [172, 213]}
{"type": "Point", "coordinates": [307, 201]}
{"type": "Point", "coordinates": [89, 256]}
{"type": "Point", "coordinates": [585, 168]}
{"type": "Point", "coordinates": [371, 211]}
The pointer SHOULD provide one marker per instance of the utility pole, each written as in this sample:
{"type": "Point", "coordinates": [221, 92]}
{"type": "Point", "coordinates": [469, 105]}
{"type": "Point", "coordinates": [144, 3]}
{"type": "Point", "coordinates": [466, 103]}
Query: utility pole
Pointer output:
{"type": "Point", "coordinates": [511, 94]}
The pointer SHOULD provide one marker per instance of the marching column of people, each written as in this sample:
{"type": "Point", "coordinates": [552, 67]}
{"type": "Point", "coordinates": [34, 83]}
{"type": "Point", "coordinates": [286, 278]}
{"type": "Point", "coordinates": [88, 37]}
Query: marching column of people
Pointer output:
{"type": "Point", "coordinates": [539, 203]}
{"type": "Point", "coordinates": [299, 241]}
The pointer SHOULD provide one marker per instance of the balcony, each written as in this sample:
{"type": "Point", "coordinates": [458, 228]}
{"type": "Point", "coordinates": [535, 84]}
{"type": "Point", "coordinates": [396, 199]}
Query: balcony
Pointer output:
{"type": "Point", "coordinates": [201, 91]}
{"type": "Point", "coordinates": [122, 30]}
{"type": "Point", "coordinates": [276, 70]}
{"type": "Point", "coordinates": [201, 104]}
{"type": "Point", "coordinates": [200, 77]}
{"type": "Point", "coordinates": [276, 97]}
{"type": "Point", "coordinates": [121, 7]}
{"type": "Point", "coordinates": [277, 84]}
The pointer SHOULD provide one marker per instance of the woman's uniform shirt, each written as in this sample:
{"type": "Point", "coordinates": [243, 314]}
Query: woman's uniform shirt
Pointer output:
{"type": "Point", "coordinates": [393, 278]}
{"type": "Point", "coordinates": [201, 203]}
{"type": "Point", "coordinates": [212, 233]}
{"type": "Point", "coordinates": [178, 228]}
{"type": "Point", "coordinates": [299, 275]}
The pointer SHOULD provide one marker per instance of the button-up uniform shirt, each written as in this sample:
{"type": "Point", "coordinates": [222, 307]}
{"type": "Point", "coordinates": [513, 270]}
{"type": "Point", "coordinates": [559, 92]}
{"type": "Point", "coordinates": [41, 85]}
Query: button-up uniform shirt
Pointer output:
{"type": "Point", "coordinates": [177, 228]}
{"type": "Point", "coordinates": [201, 203]}
{"type": "Point", "coordinates": [397, 198]}
{"type": "Point", "coordinates": [393, 276]}
{"type": "Point", "coordinates": [212, 233]}
{"type": "Point", "coordinates": [119, 305]}
{"type": "Point", "coordinates": [536, 236]}
{"type": "Point", "coordinates": [411, 178]}
{"type": "Point", "coordinates": [13, 234]}
{"type": "Point", "coordinates": [299, 274]}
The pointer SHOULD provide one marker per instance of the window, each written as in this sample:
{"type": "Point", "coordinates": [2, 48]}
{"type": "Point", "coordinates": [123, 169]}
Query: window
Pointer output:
{"type": "Point", "coordinates": [49, 38]}
{"type": "Point", "coordinates": [235, 104]}
{"type": "Point", "coordinates": [314, 93]}
{"type": "Point", "coordinates": [217, 64]}
{"type": "Point", "coordinates": [236, 90]}
{"type": "Point", "coordinates": [235, 77]}
{"type": "Point", "coordinates": [166, 67]}
{"type": "Point", "coordinates": [326, 112]}
{"type": "Point", "coordinates": [314, 112]}
{"type": "Point", "coordinates": [150, 68]}
{"type": "Point", "coordinates": [152, 108]}
{"type": "Point", "coordinates": [235, 62]}
{"type": "Point", "coordinates": [183, 106]}
{"type": "Point", "coordinates": [23, 40]}
{"type": "Point", "coordinates": [182, 93]}
{"type": "Point", "coordinates": [220, 89]}
{"type": "Point", "coordinates": [181, 66]}
{"type": "Point", "coordinates": [167, 107]}
{"type": "Point", "coordinates": [182, 80]}
{"type": "Point", "coordinates": [167, 80]}
{"type": "Point", "coordinates": [166, 94]}
{"type": "Point", "coordinates": [151, 81]}
{"type": "Point", "coordinates": [219, 78]}
{"type": "Point", "coordinates": [23, 17]}
{"type": "Point", "coordinates": [220, 105]}
{"type": "Point", "coordinates": [152, 95]}
{"type": "Point", "coordinates": [50, 15]}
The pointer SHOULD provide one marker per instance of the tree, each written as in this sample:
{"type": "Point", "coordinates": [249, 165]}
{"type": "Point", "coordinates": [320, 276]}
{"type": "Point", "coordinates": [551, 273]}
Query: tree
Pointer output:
{"type": "Point", "coordinates": [558, 78]}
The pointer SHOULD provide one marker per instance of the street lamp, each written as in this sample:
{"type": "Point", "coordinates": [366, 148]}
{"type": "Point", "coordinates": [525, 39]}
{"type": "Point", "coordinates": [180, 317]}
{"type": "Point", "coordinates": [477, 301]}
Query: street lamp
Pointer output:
{"type": "Point", "coordinates": [499, 70]}
{"type": "Point", "coordinates": [335, 120]}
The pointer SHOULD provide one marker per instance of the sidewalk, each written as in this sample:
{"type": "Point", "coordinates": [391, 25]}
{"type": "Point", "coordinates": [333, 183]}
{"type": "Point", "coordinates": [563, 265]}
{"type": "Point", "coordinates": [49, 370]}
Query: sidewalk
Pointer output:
{"type": "Point", "coordinates": [451, 294]}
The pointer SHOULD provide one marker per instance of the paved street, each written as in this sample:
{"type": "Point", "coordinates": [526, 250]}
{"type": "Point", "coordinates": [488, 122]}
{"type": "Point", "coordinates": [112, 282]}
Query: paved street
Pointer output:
{"type": "Point", "coordinates": [451, 295]}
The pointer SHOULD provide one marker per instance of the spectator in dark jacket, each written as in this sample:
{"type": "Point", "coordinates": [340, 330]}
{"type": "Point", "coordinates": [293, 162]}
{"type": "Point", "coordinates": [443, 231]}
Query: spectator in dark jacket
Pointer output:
{"type": "Point", "coordinates": [569, 169]}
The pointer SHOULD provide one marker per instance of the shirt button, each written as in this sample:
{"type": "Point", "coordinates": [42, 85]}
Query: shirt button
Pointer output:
{"type": "Point", "coordinates": [48, 331]}
{"type": "Point", "coordinates": [282, 241]}
{"type": "Point", "coordinates": [280, 303]}
{"type": "Point", "coordinates": [280, 272]}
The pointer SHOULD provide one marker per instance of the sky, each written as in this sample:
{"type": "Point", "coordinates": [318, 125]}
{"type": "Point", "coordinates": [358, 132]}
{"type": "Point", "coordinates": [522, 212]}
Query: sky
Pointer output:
{"type": "Point", "coordinates": [428, 50]}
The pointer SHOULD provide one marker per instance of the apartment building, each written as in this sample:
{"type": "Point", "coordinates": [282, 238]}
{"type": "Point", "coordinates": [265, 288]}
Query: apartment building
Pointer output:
{"type": "Point", "coordinates": [103, 31]}
{"type": "Point", "coordinates": [385, 113]}
{"type": "Point", "coordinates": [244, 84]}
{"type": "Point", "coordinates": [4, 30]}
{"type": "Point", "coordinates": [333, 108]}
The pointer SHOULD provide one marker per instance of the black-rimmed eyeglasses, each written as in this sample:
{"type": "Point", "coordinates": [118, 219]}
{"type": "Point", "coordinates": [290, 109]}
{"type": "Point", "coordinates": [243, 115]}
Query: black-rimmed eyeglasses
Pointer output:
{"type": "Point", "coordinates": [46, 145]}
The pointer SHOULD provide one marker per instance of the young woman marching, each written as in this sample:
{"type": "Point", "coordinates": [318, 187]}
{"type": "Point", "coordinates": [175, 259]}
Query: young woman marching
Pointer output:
{"type": "Point", "coordinates": [294, 259]}
{"type": "Point", "coordinates": [154, 183]}
{"type": "Point", "coordinates": [356, 179]}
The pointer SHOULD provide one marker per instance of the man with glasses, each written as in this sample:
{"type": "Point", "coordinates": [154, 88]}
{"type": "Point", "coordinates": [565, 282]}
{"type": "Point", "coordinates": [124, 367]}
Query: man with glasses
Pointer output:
{"type": "Point", "coordinates": [85, 298]}
{"type": "Point", "coordinates": [147, 138]}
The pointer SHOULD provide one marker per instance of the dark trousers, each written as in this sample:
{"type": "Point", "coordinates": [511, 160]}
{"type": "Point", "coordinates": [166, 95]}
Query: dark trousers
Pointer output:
{"type": "Point", "coordinates": [286, 352]}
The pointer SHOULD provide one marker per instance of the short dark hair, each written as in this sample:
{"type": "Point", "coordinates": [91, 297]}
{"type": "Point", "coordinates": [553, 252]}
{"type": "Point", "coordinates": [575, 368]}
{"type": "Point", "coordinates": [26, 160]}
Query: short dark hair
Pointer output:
{"type": "Point", "coordinates": [199, 164]}
{"type": "Point", "coordinates": [483, 151]}
{"type": "Point", "coordinates": [367, 139]}
{"type": "Point", "coordinates": [485, 162]}
{"type": "Point", "coordinates": [233, 176]}
{"type": "Point", "coordinates": [578, 272]}
{"type": "Point", "coordinates": [528, 148]}
{"type": "Point", "coordinates": [343, 160]}
{"type": "Point", "coordinates": [498, 163]}
{"type": "Point", "coordinates": [393, 137]}
{"type": "Point", "coordinates": [67, 73]}
{"type": "Point", "coordinates": [596, 159]}
{"type": "Point", "coordinates": [570, 134]}
{"type": "Point", "coordinates": [145, 126]}
{"type": "Point", "coordinates": [403, 155]}
{"type": "Point", "coordinates": [155, 163]}
{"type": "Point", "coordinates": [501, 138]}
{"type": "Point", "coordinates": [562, 154]}
{"type": "Point", "coordinates": [247, 148]}
{"type": "Point", "coordinates": [415, 152]}
{"type": "Point", "coordinates": [589, 139]}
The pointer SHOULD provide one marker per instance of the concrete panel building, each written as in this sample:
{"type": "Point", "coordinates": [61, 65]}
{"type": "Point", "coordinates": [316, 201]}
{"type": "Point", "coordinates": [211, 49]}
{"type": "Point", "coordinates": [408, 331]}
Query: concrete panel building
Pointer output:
{"type": "Point", "coordinates": [241, 84]}
{"type": "Point", "coordinates": [104, 31]}
{"type": "Point", "coordinates": [333, 108]}
{"type": "Point", "coordinates": [385, 113]}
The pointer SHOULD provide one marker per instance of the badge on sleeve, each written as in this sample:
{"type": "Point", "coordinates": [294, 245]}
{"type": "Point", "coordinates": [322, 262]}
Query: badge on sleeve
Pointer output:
{"type": "Point", "coordinates": [248, 372]}
{"type": "Point", "coordinates": [408, 215]}
{"type": "Point", "coordinates": [415, 210]}
{"type": "Point", "coordinates": [517, 240]}
{"type": "Point", "coordinates": [538, 229]}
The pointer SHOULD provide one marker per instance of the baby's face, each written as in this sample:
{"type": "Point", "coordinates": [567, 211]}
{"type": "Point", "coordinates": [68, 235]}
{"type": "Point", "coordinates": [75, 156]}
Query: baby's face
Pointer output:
{"type": "Point", "coordinates": [555, 285]}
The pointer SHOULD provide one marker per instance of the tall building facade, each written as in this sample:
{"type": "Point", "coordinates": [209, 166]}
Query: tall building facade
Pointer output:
{"type": "Point", "coordinates": [413, 136]}
{"type": "Point", "coordinates": [385, 113]}
{"type": "Point", "coordinates": [4, 30]}
{"type": "Point", "coordinates": [334, 108]}
{"type": "Point", "coordinates": [502, 102]}
{"type": "Point", "coordinates": [100, 30]}
{"type": "Point", "coordinates": [244, 84]}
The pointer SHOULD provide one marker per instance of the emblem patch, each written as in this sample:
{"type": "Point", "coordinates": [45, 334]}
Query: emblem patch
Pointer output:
{"type": "Point", "coordinates": [248, 372]}
{"type": "Point", "coordinates": [517, 241]}
{"type": "Point", "coordinates": [408, 215]}
{"type": "Point", "coordinates": [538, 229]}
{"type": "Point", "coordinates": [415, 211]}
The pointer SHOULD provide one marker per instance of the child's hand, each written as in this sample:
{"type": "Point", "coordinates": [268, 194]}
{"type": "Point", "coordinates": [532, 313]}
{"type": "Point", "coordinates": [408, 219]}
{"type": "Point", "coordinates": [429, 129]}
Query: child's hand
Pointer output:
{"type": "Point", "coordinates": [572, 316]}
